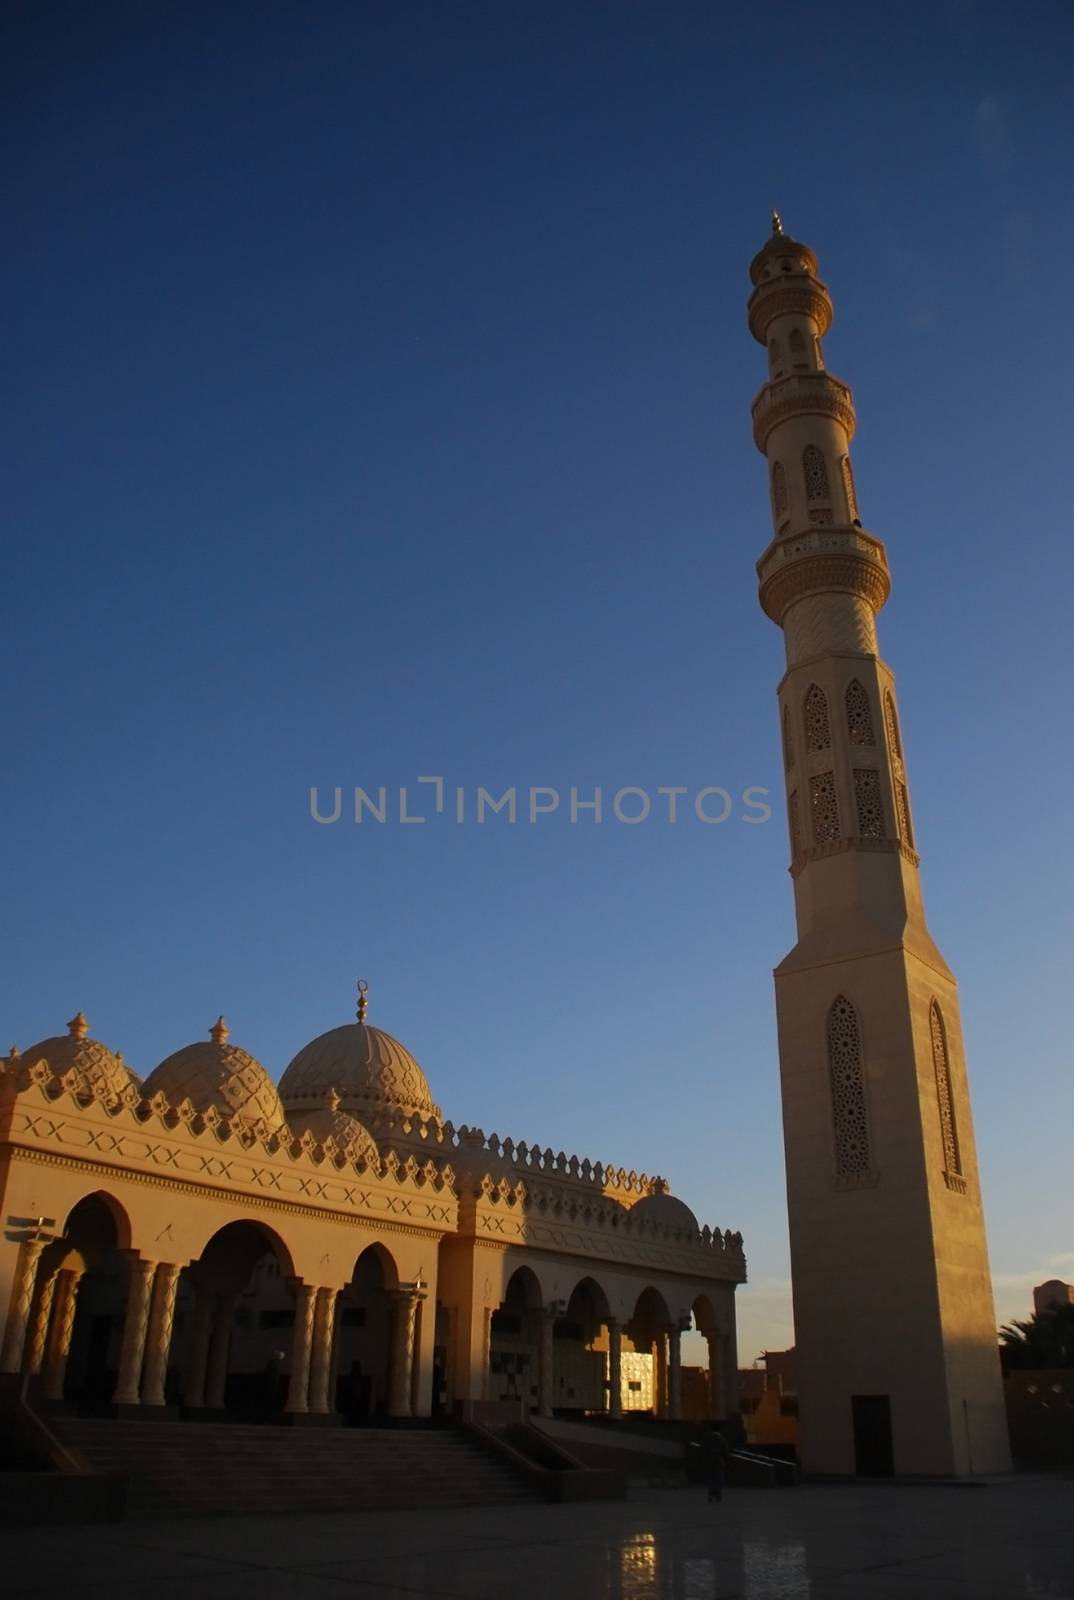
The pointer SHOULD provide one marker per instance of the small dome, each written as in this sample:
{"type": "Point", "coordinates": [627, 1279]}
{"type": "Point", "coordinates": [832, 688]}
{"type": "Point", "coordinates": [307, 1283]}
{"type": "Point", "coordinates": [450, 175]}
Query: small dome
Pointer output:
{"type": "Point", "coordinates": [666, 1211]}
{"type": "Point", "coordinates": [328, 1121]}
{"type": "Point", "coordinates": [213, 1072]}
{"type": "Point", "coordinates": [365, 1066]}
{"type": "Point", "coordinates": [102, 1068]}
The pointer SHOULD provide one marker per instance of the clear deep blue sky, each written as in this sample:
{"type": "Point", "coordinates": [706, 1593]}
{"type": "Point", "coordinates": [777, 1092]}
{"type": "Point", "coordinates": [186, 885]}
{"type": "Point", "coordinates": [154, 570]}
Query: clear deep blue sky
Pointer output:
{"type": "Point", "coordinates": [381, 409]}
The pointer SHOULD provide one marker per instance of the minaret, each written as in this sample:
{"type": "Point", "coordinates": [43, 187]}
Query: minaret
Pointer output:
{"type": "Point", "coordinates": [898, 1368]}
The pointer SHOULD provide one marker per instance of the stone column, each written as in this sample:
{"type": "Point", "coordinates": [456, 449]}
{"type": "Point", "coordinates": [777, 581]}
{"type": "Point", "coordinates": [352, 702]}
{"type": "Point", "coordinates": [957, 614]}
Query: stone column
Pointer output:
{"type": "Point", "coordinates": [730, 1374]}
{"type": "Point", "coordinates": [219, 1352]}
{"type": "Point", "coordinates": [716, 1405]}
{"type": "Point", "coordinates": [35, 1353]}
{"type": "Point", "coordinates": [660, 1376]}
{"type": "Point", "coordinates": [402, 1356]}
{"type": "Point", "coordinates": [324, 1323]}
{"type": "Point", "coordinates": [546, 1366]}
{"type": "Point", "coordinates": [128, 1390]}
{"type": "Point", "coordinates": [58, 1347]}
{"type": "Point", "coordinates": [22, 1296]}
{"type": "Point", "coordinates": [615, 1370]}
{"type": "Point", "coordinates": [198, 1361]}
{"type": "Point", "coordinates": [301, 1348]}
{"type": "Point", "coordinates": [675, 1373]}
{"type": "Point", "coordinates": [159, 1338]}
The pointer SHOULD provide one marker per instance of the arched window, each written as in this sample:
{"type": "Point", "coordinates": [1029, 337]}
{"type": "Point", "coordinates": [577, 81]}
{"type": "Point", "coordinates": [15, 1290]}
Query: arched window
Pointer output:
{"type": "Point", "coordinates": [818, 352]}
{"type": "Point", "coordinates": [824, 804]}
{"type": "Point", "coordinates": [796, 345]}
{"type": "Point", "coordinates": [952, 1158]}
{"type": "Point", "coordinates": [795, 823]}
{"type": "Point", "coordinates": [775, 358]}
{"type": "Point", "coordinates": [846, 1072]}
{"type": "Point", "coordinates": [816, 474]}
{"type": "Point", "coordinates": [848, 486]}
{"type": "Point", "coordinates": [898, 771]}
{"type": "Point", "coordinates": [818, 729]}
{"type": "Point", "coordinates": [779, 489]}
{"type": "Point", "coordinates": [859, 714]}
{"type": "Point", "coordinates": [788, 739]}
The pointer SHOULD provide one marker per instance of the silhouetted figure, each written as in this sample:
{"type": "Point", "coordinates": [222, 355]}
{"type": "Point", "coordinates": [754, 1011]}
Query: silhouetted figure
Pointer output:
{"type": "Point", "coordinates": [715, 1454]}
{"type": "Point", "coordinates": [272, 1386]}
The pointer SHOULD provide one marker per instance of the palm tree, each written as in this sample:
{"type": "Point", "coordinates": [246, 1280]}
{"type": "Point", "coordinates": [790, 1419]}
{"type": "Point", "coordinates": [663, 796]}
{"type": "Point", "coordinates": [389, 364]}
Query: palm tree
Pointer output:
{"type": "Point", "coordinates": [1046, 1340]}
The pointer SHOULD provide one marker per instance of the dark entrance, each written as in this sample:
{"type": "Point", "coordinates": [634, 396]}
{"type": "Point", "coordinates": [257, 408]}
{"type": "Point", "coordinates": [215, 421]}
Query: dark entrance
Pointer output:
{"type": "Point", "coordinates": [874, 1454]}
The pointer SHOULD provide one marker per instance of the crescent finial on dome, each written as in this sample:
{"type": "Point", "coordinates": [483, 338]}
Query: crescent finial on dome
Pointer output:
{"type": "Point", "coordinates": [363, 1001]}
{"type": "Point", "coordinates": [219, 1031]}
{"type": "Point", "coordinates": [777, 223]}
{"type": "Point", "coordinates": [78, 1027]}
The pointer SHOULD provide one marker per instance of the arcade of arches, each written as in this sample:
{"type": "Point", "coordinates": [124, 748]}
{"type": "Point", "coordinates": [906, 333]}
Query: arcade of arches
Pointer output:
{"type": "Point", "coordinates": [207, 1241]}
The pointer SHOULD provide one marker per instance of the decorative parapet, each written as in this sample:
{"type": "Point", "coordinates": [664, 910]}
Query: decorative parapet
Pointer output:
{"type": "Point", "coordinates": [845, 559]}
{"type": "Point", "coordinates": [209, 1127]}
{"type": "Point", "coordinates": [802, 394]}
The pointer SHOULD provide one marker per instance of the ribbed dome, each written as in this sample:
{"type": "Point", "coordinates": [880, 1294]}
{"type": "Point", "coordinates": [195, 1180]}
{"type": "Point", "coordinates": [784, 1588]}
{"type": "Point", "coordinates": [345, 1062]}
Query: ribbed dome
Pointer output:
{"type": "Point", "coordinates": [328, 1121]}
{"type": "Point", "coordinates": [213, 1072]}
{"type": "Point", "coordinates": [666, 1211]}
{"type": "Point", "coordinates": [102, 1068]}
{"type": "Point", "coordinates": [365, 1066]}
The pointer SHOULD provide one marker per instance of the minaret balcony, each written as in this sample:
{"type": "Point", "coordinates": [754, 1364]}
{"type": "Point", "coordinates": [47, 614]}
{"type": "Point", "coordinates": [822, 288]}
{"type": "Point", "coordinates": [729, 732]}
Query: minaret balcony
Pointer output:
{"type": "Point", "coordinates": [802, 394]}
{"type": "Point", "coordinates": [790, 295]}
{"type": "Point", "coordinates": [822, 560]}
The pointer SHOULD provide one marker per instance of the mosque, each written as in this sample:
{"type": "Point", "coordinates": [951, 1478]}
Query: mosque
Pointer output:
{"type": "Point", "coordinates": [169, 1242]}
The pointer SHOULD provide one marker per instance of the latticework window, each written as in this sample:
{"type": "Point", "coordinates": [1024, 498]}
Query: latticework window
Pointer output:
{"type": "Point", "coordinates": [859, 714]}
{"type": "Point", "coordinates": [818, 729]}
{"type": "Point", "coordinates": [788, 739]}
{"type": "Point", "coordinates": [952, 1158]}
{"type": "Point", "coordinates": [822, 518]}
{"type": "Point", "coordinates": [779, 489]}
{"type": "Point", "coordinates": [816, 473]}
{"type": "Point", "coordinates": [898, 771]}
{"type": "Point", "coordinates": [846, 1071]}
{"type": "Point", "coordinates": [869, 804]}
{"type": "Point", "coordinates": [795, 822]}
{"type": "Point", "coordinates": [825, 807]}
{"type": "Point", "coordinates": [797, 347]}
{"type": "Point", "coordinates": [848, 485]}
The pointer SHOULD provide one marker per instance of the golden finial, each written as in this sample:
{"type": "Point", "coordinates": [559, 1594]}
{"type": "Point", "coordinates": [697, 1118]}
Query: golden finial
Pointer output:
{"type": "Point", "coordinates": [363, 1003]}
{"type": "Point", "coordinates": [332, 1100]}
{"type": "Point", "coordinates": [78, 1027]}
{"type": "Point", "coordinates": [777, 223]}
{"type": "Point", "coordinates": [219, 1031]}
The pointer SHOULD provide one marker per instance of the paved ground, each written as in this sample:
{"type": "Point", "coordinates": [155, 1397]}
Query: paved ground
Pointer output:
{"type": "Point", "coordinates": [1011, 1541]}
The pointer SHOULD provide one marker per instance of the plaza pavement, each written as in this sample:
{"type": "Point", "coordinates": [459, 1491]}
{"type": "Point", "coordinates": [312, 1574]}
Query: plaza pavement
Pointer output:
{"type": "Point", "coordinates": [1010, 1540]}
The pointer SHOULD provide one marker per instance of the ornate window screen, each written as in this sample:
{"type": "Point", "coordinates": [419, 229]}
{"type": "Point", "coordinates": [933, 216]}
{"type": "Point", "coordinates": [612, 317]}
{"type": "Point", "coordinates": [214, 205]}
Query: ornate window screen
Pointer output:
{"type": "Point", "coordinates": [797, 348]}
{"type": "Point", "coordinates": [898, 771]}
{"type": "Point", "coordinates": [788, 739]}
{"type": "Point", "coordinates": [848, 486]}
{"type": "Point", "coordinates": [869, 804]}
{"type": "Point", "coordinates": [795, 823]}
{"type": "Point", "coordinates": [816, 474]}
{"type": "Point", "coordinates": [859, 715]}
{"type": "Point", "coordinates": [818, 727]}
{"type": "Point", "coordinates": [779, 489]}
{"type": "Point", "coordinates": [952, 1158]}
{"type": "Point", "coordinates": [825, 807]}
{"type": "Point", "coordinates": [846, 1072]}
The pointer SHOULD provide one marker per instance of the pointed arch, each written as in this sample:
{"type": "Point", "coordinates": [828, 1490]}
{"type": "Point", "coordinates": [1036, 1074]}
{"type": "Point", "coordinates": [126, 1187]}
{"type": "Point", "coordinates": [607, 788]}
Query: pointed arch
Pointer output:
{"type": "Point", "coordinates": [815, 469]}
{"type": "Point", "coordinates": [788, 739]}
{"type": "Point", "coordinates": [779, 489]}
{"type": "Point", "coordinates": [898, 770]}
{"type": "Point", "coordinates": [952, 1155]}
{"type": "Point", "coordinates": [859, 714]}
{"type": "Point", "coordinates": [846, 1074]}
{"type": "Point", "coordinates": [775, 358]}
{"type": "Point", "coordinates": [818, 728]}
{"type": "Point", "coordinates": [848, 487]}
{"type": "Point", "coordinates": [796, 345]}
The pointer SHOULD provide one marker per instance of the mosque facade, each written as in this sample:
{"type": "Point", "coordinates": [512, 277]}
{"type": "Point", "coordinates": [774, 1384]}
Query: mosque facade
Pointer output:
{"type": "Point", "coordinates": [207, 1242]}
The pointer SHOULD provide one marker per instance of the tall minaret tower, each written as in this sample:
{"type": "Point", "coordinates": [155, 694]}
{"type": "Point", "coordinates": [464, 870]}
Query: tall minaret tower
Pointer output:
{"type": "Point", "coordinates": [896, 1336]}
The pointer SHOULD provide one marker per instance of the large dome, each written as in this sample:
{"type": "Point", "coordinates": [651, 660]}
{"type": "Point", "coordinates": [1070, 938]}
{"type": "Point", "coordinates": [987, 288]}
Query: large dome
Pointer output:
{"type": "Point", "coordinates": [213, 1072]}
{"type": "Point", "coordinates": [352, 1140]}
{"type": "Point", "coordinates": [103, 1069]}
{"type": "Point", "coordinates": [666, 1211]}
{"type": "Point", "coordinates": [366, 1068]}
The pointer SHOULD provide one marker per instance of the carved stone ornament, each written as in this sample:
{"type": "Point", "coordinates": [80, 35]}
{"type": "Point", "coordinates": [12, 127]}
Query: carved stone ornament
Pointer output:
{"type": "Point", "coordinates": [813, 574]}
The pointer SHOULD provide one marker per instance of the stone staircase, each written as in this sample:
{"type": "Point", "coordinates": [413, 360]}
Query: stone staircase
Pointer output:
{"type": "Point", "coordinates": [228, 1469]}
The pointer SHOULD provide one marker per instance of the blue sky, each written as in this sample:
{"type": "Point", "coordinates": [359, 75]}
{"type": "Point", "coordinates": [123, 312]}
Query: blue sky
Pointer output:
{"type": "Point", "coordinates": [381, 409]}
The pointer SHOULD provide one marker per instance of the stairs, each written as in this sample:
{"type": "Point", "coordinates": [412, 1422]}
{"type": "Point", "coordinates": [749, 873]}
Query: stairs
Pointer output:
{"type": "Point", "coordinates": [228, 1469]}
